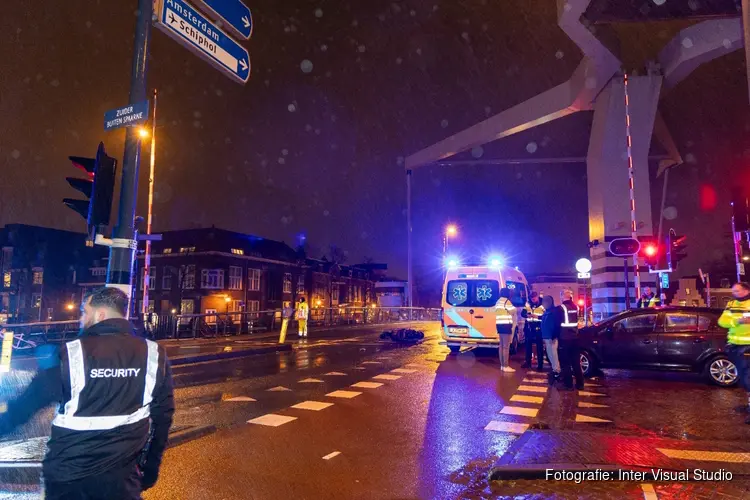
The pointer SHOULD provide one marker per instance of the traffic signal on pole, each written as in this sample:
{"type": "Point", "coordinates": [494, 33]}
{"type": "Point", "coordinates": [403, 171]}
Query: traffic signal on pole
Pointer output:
{"type": "Point", "coordinates": [650, 251]}
{"type": "Point", "coordinates": [98, 187]}
{"type": "Point", "coordinates": [740, 212]}
{"type": "Point", "coordinates": [677, 248]}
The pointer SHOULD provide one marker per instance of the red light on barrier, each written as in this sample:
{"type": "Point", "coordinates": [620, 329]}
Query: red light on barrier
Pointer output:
{"type": "Point", "coordinates": [581, 303]}
{"type": "Point", "coordinates": [650, 250]}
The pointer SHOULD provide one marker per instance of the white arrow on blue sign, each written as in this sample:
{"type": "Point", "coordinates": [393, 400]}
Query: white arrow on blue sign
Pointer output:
{"type": "Point", "coordinates": [236, 15]}
{"type": "Point", "coordinates": [126, 116]}
{"type": "Point", "coordinates": [185, 24]}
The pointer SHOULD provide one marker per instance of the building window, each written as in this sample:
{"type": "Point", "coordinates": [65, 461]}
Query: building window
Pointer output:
{"type": "Point", "coordinates": [167, 250]}
{"type": "Point", "coordinates": [187, 277]}
{"type": "Point", "coordinates": [37, 276]}
{"type": "Point", "coordinates": [301, 284]}
{"type": "Point", "coordinates": [149, 309]}
{"type": "Point", "coordinates": [7, 279]}
{"type": "Point", "coordinates": [7, 258]}
{"type": "Point", "coordinates": [36, 300]}
{"type": "Point", "coordinates": [212, 279]}
{"type": "Point", "coordinates": [211, 316]}
{"type": "Point", "coordinates": [98, 271]}
{"type": "Point", "coordinates": [187, 306]}
{"type": "Point", "coordinates": [187, 249]}
{"type": "Point", "coordinates": [151, 278]}
{"type": "Point", "coordinates": [235, 278]}
{"type": "Point", "coordinates": [287, 282]}
{"type": "Point", "coordinates": [253, 306]}
{"type": "Point", "coordinates": [238, 251]}
{"type": "Point", "coordinates": [166, 278]}
{"type": "Point", "coordinates": [253, 280]}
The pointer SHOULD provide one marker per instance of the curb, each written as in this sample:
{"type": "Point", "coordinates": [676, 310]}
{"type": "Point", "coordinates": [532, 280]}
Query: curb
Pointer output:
{"type": "Point", "coordinates": [229, 354]}
{"type": "Point", "coordinates": [182, 437]}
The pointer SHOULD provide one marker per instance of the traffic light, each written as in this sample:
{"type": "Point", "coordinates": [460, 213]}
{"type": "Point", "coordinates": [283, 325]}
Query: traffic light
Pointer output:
{"type": "Point", "coordinates": [677, 248]}
{"type": "Point", "coordinates": [740, 212]}
{"type": "Point", "coordinates": [98, 187]}
{"type": "Point", "coordinates": [650, 252]}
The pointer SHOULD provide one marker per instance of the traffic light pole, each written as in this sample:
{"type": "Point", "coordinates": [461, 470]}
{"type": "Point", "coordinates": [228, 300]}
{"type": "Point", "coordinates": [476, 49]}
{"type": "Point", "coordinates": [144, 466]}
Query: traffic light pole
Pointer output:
{"type": "Point", "coordinates": [122, 251]}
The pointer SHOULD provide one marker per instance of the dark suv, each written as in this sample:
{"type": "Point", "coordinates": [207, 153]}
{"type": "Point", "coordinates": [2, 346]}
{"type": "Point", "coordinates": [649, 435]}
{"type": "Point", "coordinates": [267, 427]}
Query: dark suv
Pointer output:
{"type": "Point", "coordinates": [664, 338]}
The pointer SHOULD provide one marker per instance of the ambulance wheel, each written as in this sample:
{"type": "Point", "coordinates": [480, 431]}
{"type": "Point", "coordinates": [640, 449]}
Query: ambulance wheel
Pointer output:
{"type": "Point", "coordinates": [454, 349]}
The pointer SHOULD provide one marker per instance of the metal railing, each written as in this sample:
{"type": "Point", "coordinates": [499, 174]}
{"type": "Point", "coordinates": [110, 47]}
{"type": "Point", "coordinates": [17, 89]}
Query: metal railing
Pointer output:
{"type": "Point", "coordinates": [178, 326]}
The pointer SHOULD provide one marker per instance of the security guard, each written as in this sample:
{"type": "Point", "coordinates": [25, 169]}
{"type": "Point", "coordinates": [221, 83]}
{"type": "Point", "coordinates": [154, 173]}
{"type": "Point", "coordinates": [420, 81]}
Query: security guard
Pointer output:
{"type": "Point", "coordinates": [533, 330]}
{"type": "Point", "coordinates": [648, 299]}
{"type": "Point", "coordinates": [736, 318]}
{"type": "Point", "coordinates": [570, 351]}
{"type": "Point", "coordinates": [114, 392]}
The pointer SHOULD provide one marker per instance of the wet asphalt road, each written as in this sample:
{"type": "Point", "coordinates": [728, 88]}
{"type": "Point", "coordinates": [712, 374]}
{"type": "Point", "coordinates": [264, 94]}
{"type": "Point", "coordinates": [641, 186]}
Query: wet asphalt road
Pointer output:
{"type": "Point", "coordinates": [426, 432]}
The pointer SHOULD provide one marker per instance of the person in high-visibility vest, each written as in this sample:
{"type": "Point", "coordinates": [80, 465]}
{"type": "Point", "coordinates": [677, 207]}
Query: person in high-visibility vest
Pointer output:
{"type": "Point", "coordinates": [533, 330]}
{"type": "Point", "coordinates": [506, 320]}
{"type": "Point", "coordinates": [736, 319]}
{"type": "Point", "coordinates": [303, 312]}
{"type": "Point", "coordinates": [648, 299]}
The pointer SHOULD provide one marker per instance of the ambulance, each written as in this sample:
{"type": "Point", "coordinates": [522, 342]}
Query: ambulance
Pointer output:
{"type": "Point", "coordinates": [468, 305]}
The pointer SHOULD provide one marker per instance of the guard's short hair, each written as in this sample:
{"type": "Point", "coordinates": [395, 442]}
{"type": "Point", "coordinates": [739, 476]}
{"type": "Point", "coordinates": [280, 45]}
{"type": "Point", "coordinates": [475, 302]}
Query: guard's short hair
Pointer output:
{"type": "Point", "coordinates": [533, 294]}
{"type": "Point", "coordinates": [109, 297]}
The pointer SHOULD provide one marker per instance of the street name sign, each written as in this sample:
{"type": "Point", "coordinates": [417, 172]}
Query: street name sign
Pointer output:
{"type": "Point", "coordinates": [184, 23]}
{"type": "Point", "coordinates": [234, 14]}
{"type": "Point", "coordinates": [126, 116]}
{"type": "Point", "coordinates": [624, 247]}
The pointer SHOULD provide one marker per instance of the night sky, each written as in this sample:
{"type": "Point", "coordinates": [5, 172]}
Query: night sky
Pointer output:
{"type": "Point", "coordinates": [340, 92]}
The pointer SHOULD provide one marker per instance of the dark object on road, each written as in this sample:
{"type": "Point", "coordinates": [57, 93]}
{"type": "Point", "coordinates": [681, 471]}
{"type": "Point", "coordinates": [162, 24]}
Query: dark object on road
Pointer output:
{"type": "Point", "coordinates": [663, 338]}
{"type": "Point", "coordinates": [402, 335]}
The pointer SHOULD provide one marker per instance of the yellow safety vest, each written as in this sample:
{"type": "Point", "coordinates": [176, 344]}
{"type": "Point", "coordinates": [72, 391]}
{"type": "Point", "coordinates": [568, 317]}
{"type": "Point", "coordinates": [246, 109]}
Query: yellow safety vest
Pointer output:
{"type": "Point", "coordinates": [534, 313]}
{"type": "Point", "coordinates": [505, 315]}
{"type": "Point", "coordinates": [736, 318]}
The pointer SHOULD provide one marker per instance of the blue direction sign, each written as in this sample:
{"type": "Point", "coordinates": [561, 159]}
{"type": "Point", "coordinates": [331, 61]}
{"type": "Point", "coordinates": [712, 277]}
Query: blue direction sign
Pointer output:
{"type": "Point", "coordinates": [126, 116]}
{"type": "Point", "coordinates": [236, 15]}
{"type": "Point", "coordinates": [185, 24]}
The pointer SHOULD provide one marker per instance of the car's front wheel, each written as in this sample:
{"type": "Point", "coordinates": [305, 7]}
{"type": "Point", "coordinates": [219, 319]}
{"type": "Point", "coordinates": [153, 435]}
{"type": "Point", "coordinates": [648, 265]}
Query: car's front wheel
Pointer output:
{"type": "Point", "coordinates": [721, 371]}
{"type": "Point", "coordinates": [588, 364]}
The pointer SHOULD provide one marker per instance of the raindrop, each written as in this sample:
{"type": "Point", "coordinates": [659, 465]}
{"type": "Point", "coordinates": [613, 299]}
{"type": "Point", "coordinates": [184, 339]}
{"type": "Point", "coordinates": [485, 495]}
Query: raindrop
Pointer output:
{"type": "Point", "coordinates": [326, 213]}
{"type": "Point", "coordinates": [690, 158]}
{"type": "Point", "coordinates": [412, 13]}
{"type": "Point", "coordinates": [355, 23]}
{"type": "Point", "coordinates": [361, 48]}
{"type": "Point", "coordinates": [317, 131]}
{"type": "Point", "coordinates": [694, 4]}
{"type": "Point", "coordinates": [531, 147]}
{"type": "Point", "coordinates": [567, 7]}
{"type": "Point", "coordinates": [465, 36]}
{"type": "Point", "coordinates": [55, 82]}
{"type": "Point", "coordinates": [281, 160]}
{"type": "Point", "coordinates": [726, 43]}
{"type": "Point", "coordinates": [477, 152]}
{"type": "Point", "coordinates": [88, 24]}
{"type": "Point", "coordinates": [687, 42]}
{"type": "Point", "coordinates": [15, 154]}
{"type": "Point", "coordinates": [381, 17]}
{"type": "Point", "coordinates": [519, 175]}
{"type": "Point", "coordinates": [306, 66]}
{"type": "Point", "coordinates": [398, 60]}
{"type": "Point", "coordinates": [42, 182]}
{"type": "Point", "coordinates": [400, 160]}
{"type": "Point", "coordinates": [323, 47]}
{"type": "Point", "coordinates": [308, 127]}
{"type": "Point", "coordinates": [284, 152]}
{"type": "Point", "coordinates": [219, 92]}
{"type": "Point", "coordinates": [444, 123]}
{"type": "Point", "coordinates": [197, 124]}
{"type": "Point", "coordinates": [670, 213]}
{"type": "Point", "coordinates": [292, 108]}
{"type": "Point", "coordinates": [318, 13]}
{"type": "Point", "coordinates": [559, 54]}
{"type": "Point", "coordinates": [659, 2]}
{"type": "Point", "coordinates": [419, 52]}
{"type": "Point", "coordinates": [197, 114]}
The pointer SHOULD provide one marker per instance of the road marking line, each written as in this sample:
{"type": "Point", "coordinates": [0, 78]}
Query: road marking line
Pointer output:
{"type": "Point", "coordinates": [584, 404]}
{"type": "Point", "coordinates": [648, 492]}
{"type": "Point", "coordinates": [708, 456]}
{"type": "Point", "coordinates": [360, 368]}
{"type": "Point", "coordinates": [371, 363]}
{"type": "Point", "coordinates": [591, 420]}
{"type": "Point", "coordinates": [278, 388]}
{"type": "Point", "coordinates": [537, 381]}
{"type": "Point", "coordinates": [343, 394]}
{"type": "Point", "coordinates": [367, 385]}
{"type": "Point", "coordinates": [413, 365]}
{"type": "Point", "coordinates": [512, 427]}
{"type": "Point", "coordinates": [589, 384]}
{"type": "Point", "coordinates": [536, 375]}
{"type": "Point", "coordinates": [311, 381]}
{"type": "Point", "coordinates": [272, 420]}
{"type": "Point", "coordinates": [331, 455]}
{"type": "Point", "coordinates": [587, 393]}
{"type": "Point", "coordinates": [334, 374]}
{"type": "Point", "coordinates": [241, 398]}
{"type": "Point", "coordinates": [517, 410]}
{"type": "Point", "coordinates": [532, 388]}
{"type": "Point", "coordinates": [403, 370]}
{"type": "Point", "coordinates": [312, 405]}
{"type": "Point", "coordinates": [386, 377]}
{"type": "Point", "coordinates": [520, 398]}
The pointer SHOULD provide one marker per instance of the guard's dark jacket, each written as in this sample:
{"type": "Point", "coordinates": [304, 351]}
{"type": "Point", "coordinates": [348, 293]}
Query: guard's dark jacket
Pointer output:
{"type": "Point", "coordinates": [109, 385]}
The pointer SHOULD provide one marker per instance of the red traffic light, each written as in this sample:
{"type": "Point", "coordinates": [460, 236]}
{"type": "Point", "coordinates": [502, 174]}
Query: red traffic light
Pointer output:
{"type": "Point", "coordinates": [581, 302]}
{"type": "Point", "coordinates": [650, 250]}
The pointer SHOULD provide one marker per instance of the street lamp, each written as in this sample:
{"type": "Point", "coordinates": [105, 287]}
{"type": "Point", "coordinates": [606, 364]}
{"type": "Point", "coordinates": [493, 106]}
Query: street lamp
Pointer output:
{"type": "Point", "coordinates": [143, 132]}
{"type": "Point", "coordinates": [450, 232]}
{"type": "Point", "coordinates": [70, 306]}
